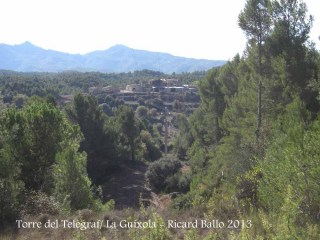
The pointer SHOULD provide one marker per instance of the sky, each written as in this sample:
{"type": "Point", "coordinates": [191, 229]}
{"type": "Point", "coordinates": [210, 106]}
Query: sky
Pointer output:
{"type": "Point", "coordinates": [204, 29]}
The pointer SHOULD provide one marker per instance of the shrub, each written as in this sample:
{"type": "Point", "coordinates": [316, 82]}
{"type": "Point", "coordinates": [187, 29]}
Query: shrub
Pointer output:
{"type": "Point", "coordinates": [142, 112]}
{"type": "Point", "coordinates": [9, 204]}
{"type": "Point", "coordinates": [153, 152]}
{"type": "Point", "coordinates": [160, 171]}
{"type": "Point", "coordinates": [36, 203]}
{"type": "Point", "coordinates": [10, 185]}
{"type": "Point", "coordinates": [183, 201]}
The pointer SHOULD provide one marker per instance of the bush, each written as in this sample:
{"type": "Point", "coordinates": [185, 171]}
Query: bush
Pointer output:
{"type": "Point", "coordinates": [153, 152]}
{"type": "Point", "coordinates": [159, 127]}
{"type": "Point", "coordinates": [9, 204]}
{"type": "Point", "coordinates": [183, 201]}
{"type": "Point", "coordinates": [7, 99]}
{"type": "Point", "coordinates": [159, 173]}
{"type": "Point", "coordinates": [142, 112]}
{"type": "Point", "coordinates": [179, 182]}
{"type": "Point", "coordinates": [36, 203]}
{"type": "Point", "coordinates": [10, 185]}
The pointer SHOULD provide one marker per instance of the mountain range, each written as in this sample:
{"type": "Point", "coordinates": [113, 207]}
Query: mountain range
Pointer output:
{"type": "Point", "coordinates": [27, 57]}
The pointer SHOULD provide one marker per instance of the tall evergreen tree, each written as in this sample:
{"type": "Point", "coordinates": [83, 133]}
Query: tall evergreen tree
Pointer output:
{"type": "Point", "coordinates": [128, 128]}
{"type": "Point", "coordinates": [100, 139]}
{"type": "Point", "coordinates": [256, 22]}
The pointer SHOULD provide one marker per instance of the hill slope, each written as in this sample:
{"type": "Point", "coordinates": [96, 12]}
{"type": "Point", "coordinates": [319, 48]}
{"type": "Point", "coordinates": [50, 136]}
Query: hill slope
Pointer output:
{"type": "Point", "coordinates": [27, 57]}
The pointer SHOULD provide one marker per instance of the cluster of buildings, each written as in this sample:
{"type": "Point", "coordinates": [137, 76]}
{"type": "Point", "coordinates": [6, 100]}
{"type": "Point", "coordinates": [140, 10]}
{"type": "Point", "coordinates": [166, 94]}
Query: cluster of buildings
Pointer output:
{"type": "Point", "coordinates": [170, 91]}
{"type": "Point", "coordinates": [158, 85]}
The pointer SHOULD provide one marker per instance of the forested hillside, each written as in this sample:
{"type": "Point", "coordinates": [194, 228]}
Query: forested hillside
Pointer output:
{"type": "Point", "coordinates": [244, 165]}
{"type": "Point", "coordinates": [41, 84]}
{"type": "Point", "coordinates": [255, 148]}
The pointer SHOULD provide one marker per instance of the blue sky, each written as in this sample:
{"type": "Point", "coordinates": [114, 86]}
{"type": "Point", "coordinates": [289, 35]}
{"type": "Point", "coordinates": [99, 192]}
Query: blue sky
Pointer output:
{"type": "Point", "coordinates": [190, 28]}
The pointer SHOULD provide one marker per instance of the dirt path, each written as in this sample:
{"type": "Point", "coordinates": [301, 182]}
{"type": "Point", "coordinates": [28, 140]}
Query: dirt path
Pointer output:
{"type": "Point", "coordinates": [127, 186]}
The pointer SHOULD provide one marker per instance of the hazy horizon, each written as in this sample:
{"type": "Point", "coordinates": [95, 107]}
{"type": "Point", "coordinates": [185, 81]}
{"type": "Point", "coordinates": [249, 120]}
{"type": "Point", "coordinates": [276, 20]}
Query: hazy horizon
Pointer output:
{"type": "Point", "coordinates": [194, 29]}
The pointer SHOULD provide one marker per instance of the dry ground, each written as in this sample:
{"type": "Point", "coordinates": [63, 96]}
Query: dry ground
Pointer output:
{"type": "Point", "coordinates": [127, 186]}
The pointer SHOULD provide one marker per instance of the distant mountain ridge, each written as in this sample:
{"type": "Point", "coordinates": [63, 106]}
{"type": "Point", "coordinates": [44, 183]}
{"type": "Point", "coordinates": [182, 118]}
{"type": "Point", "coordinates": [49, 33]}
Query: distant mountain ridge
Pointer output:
{"type": "Point", "coordinates": [27, 57]}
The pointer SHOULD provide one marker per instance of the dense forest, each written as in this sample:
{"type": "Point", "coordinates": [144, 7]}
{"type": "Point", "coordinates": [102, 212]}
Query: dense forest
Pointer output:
{"type": "Point", "coordinates": [244, 165]}
{"type": "Point", "coordinates": [70, 82]}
